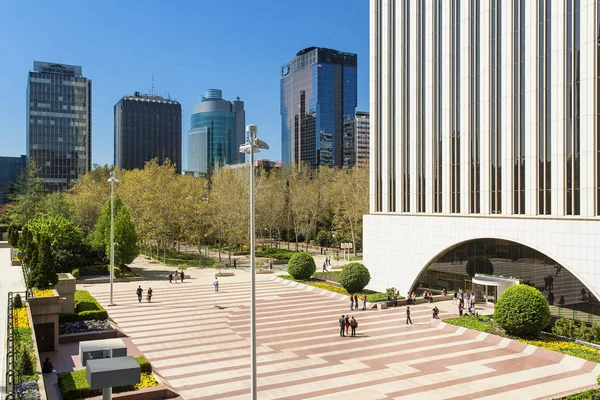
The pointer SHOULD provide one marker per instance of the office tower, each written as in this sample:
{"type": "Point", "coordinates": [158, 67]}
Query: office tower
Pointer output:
{"type": "Point", "coordinates": [216, 132]}
{"type": "Point", "coordinates": [485, 143]}
{"type": "Point", "coordinates": [356, 140]}
{"type": "Point", "coordinates": [147, 127]}
{"type": "Point", "coordinates": [318, 94]}
{"type": "Point", "coordinates": [59, 122]}
{"type": "Point", "coordinates": [10, 169]}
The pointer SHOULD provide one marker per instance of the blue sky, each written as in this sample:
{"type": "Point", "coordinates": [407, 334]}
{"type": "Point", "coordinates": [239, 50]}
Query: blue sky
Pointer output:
{"type": "Point", "coordinates": [237, 46]}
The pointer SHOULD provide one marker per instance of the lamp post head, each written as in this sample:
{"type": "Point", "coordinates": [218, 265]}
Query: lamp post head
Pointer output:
{"type": "Point", "coordinates": [251, 130]}
{"type": "Point", "coordinates": [112, 178]}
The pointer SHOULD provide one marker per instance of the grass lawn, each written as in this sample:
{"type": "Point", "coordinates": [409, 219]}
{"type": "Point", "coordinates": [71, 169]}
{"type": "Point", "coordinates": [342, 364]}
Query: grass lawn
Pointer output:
{"type": "Point", "coordinates": [184, 259]}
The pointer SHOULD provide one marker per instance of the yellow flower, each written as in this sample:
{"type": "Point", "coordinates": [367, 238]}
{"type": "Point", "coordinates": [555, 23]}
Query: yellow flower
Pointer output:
{"type": "Point", "coordinates": [147, 380]}
{"type": "Point", "coordinates": [20, 319]}
{"type": "Point", "coordinates": [43, 293]}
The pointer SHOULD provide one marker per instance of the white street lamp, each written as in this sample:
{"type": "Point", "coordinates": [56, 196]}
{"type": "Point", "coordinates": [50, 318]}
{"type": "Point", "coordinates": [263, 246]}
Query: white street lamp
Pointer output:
{"type": "Point", "coordinates": [112, 181]}
{"type": "Point", "coordinates": [253, 145]}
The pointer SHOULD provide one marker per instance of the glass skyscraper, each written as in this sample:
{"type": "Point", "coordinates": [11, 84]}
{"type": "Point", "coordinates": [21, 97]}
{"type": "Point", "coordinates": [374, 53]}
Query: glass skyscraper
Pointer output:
{"type": "Point", "coordinates": [10, 169]}
{"type": "Point", "coordinates": [216, 132]}
{"type": "Point", "coordinates": [59, 122]}
{"type": "Point", "coordinates": [147, 127]}
{"type": "Point", "coordinates": [318, 95]}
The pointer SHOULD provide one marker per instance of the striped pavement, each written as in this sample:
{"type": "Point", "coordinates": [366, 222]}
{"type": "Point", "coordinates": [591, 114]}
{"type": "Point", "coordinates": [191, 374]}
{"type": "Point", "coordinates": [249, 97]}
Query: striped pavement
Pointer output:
{"type": "Point", "coordinates": [198, 341]}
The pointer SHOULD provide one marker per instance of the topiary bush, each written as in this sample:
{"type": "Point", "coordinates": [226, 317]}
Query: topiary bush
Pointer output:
{"type": "Point", "coordinates": [354, 277]}
{"type": "Point", "coordinates": [117, 272]}
{"type": "Point", "coordinates": [522, 311]}
{"type": "Point", "coordinates": [301, 266]}
{"type": "Point", "coordinates": [17, 301]}
{"type": "Point", "coordinates": [75, 273]}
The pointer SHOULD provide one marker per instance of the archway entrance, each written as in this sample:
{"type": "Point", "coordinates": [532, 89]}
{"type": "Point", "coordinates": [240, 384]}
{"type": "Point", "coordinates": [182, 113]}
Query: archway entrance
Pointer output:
{"type": "Point", "coordinates": [507, 261]}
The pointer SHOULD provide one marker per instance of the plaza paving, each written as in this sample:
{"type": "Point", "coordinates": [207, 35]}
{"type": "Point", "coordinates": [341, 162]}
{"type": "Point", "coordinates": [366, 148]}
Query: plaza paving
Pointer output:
{"type": "Point", "coordinates": [198, 341]}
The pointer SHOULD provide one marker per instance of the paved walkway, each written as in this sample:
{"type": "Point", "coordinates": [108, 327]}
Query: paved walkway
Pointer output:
{"type": "Point", "coordinates": [199, 341]}
{"type": "Point", "coordinates": [11, 281]}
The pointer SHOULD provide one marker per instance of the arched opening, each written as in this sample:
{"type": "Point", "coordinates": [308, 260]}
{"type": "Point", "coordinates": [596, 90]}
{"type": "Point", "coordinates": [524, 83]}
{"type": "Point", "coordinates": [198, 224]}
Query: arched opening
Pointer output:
{"type": "Point", "coordinates": [499, 260]}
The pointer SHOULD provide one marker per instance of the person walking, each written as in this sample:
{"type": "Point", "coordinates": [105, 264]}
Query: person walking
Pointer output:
{"type": "Point", "coordinates": [325, 266]}
{"type": "Point", "coordinates": [351, 302]}
{"type": "Point", "coordinates": [550, 282]}
{"type": "Point", "coordinates": [347, 319]}
{"type": "Point", "coordinates": [149, 295]}
{"type": "Point", "coordinates": [546, 283]}
{"type": "Point", "coordinates": [353, 326]}
{"type": "Point", "coordinates": [170, 277]}
{"type": "Point", "coordinates": [342, 322]}
{"type": "Point", "coordinates": [455, 298]}
{"type": "Point", "coordinates": [139, 292]}
{"type": "Point", "coordinates": [364, 301]}
{"type": "Point", "coordinates": [408, 320]}
{"type": "Point", "coordinates": [355, 301]}
{"type": "Point", "coordinates": [182, 275]}
{"type": "Point", "coordinates": [216, 285]}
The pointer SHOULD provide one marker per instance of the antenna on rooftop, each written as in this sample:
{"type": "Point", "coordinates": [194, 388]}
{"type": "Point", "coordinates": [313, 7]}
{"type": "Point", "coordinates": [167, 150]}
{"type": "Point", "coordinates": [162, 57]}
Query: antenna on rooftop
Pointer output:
{"type": "Point", "coordinates": [152, 91]}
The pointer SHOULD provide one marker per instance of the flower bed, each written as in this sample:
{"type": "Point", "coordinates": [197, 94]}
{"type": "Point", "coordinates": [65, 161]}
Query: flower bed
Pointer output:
{"type": "Point", "coordinates": [28, 391]}
{"type": "Point", "coordinates": [20, 319]}
{"type": "Point", "coordinates": [43, 293]}
{"type": "Point", "coordinates": [26, 376]}
{"type": "Point", "coordinates": [67, 328]}
{"type": "Point", "coordinates": [564, 347]}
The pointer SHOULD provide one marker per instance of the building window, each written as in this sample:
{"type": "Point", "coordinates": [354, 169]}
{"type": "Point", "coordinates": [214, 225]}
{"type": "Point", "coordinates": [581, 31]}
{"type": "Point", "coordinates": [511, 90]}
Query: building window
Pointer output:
{"type": "Point", "coordinates": [475, 170]}
{"type": "Point", "coordinates": [405, 107]}
{"type": "Point", "coordinates": [392, 108]}
{"type": "Point", "coordinates": [455, 110]}
{"type": "Point", "coordinates": [572, 108]}
{"type": "Point", "coordinates": [544, 108]}
{"type": "Point", "coordinates": [496, 108]}
{"type": "Point", "coordinates": [421, 114]}
{"type": "Point", "coordinates": [518, 101]}
{"type": "Point", "coordinates": [437, 107]}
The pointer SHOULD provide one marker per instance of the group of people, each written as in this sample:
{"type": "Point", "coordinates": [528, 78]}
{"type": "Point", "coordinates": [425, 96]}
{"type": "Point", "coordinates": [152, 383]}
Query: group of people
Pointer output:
{"type": "Point", "coordinates": [347, 322]}
{"type": "Point", "coordinates": [354, 301]}
{"type": "Point", "coordinates": [326, 263]}
{"type": "Point", "coordinates": [140, 293]}
{"type": "Point", "coordinates": [428, 296]}
{"type": "Point", "coordinates": [549, 282]}
{"type": "Point", "coordinates": [172, 275]}
{"type": "Point", "coordinates": [466, 302]}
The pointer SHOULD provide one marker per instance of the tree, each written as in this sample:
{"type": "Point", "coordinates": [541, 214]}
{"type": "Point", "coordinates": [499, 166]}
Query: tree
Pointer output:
{"type": "Point", "coordinates": [13, 236]}
{"type": "Point", "coordinates": [522, 310]}
{"type": "Point", "coordinates": [354, 277]}
{"type": "Point", "coordinates": [350, 200]}
{"type": "Point", "coordinates": [55, 204]}
{"type": "Point", "coordinates": [479, 265]}
{"type": "Point", "coordinates": [29, 196]}
{"type": "Point", "coordinates": [87, 197]}
{"type": "Point", "coordinates": [43, 275]}
{"type": "Point", "coordinates": [125, 237]}
{"type": "Point", "coordinates": [301, 266]}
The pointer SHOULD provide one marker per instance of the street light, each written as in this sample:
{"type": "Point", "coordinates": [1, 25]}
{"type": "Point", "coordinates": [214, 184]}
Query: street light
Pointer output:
{"type": "Point", "coordinates": [253, 145]}
{"type": "Point", "coordinates": [112, 181]}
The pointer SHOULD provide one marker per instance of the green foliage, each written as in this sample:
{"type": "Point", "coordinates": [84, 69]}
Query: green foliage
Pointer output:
{"type": "Point", "coordinates": [278, 254]}
{"type": "Point", "coordinates": [354, 277]}
{"type": "Point", "coordinates": [390, 292]}
{"type": "Point", "coordinates": [28, 197]}
{"type": "Point", "coordinates": [592, 394]}
{"type": "Point", "coordinates": [377, 297]}
{"type": "Point", "coordinates": [301, 266]}
{"type": "Point", "coordinates": [125, 237]}
{"type": "Point", "coordinates": [86, 308]}
{"type": "Point", "coordinates": [43, 274]}
{"type": "Point", "coordinates": [522, 311]}
{"type": "Point", "coordinates": [75, 273]}
{"type": "Point", "coordinates": [319, 273]}
{"type": "Point", "coordinates": [479, 265]}
{"type": "Point", "coordinates": [17, 301]}
{"type": "Point", "coordinates": [94, 270]}
{"type": "Point", "coordinates": [145, 364]}
{"type": "Point", "coordinates": [324, 238]}
{"type": "Point", "coordinates": [577, 330]}
{"type": "Point", "coordinates": [479, 323]}
{"type": "Point", "coordinates": [13, 235]}
{"type": "Point", "coordinates": [117, 272]}
{"type": "Point", "coordinates": [25, 367]}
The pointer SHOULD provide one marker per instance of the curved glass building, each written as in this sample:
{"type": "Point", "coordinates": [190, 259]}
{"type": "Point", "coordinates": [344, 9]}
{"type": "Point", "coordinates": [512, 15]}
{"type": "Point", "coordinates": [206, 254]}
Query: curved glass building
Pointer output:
{"type": "Point", "coordinates": [216, 132]}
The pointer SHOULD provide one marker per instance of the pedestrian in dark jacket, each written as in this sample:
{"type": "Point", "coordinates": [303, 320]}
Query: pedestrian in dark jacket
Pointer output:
{"type": "Point", "coordinates": [353, 326]}
{"type": "Point", "coordinates": [170, 277]}
{"type": "Point", "coordinates": [355, 301]}
{"type": "Point", "coordinates": [342, 322]}
{"type": "Point", "coordinates": [408, 320]}
{"type": "Point", "coordinates": [182, 276]}
{"type": "Point", "coordinates": [139, 292]}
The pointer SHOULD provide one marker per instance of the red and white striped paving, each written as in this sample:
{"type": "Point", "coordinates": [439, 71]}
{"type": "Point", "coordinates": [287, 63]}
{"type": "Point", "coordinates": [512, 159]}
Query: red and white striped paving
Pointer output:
{"type": "Point", "coordinates": [198, 341]}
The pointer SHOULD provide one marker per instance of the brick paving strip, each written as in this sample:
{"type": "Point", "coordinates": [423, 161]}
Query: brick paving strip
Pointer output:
{"type": "Point", "coordinates": [198, 341]}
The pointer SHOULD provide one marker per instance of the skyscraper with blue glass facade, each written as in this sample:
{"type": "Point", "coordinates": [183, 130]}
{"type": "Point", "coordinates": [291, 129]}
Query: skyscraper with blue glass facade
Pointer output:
{"type": "Point", "coordinates": [216, 132]}
{"type": "Point", "coordinates": [318, 94]}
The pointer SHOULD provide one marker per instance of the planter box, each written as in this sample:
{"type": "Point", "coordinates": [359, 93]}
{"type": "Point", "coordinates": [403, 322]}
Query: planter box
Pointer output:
{"type": "Point", "coordinates": [92, 335]}
{"type": "Point", "coordinates": [151, 393]}
{"type": "Point", "coordinates": [17, 263]}
{"type": "Point", "coordinates": [38, 363]}
{"type": "Point", "coordinates": [328, 277]}
{"type": "Point", "coordinates": [66, 291]}
{"type": "Point", "coordinates": [264, 271]}
{"type": "Point", "coordinates": [225, 274]}
{"type": "Point", "coordinates": [44, 311]}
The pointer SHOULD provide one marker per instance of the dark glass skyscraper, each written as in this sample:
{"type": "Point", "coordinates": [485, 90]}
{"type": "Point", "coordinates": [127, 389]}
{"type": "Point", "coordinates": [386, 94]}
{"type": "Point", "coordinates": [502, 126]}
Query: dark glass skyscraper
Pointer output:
{"type": "Point", "coordinates": [59, 122]}
{"type": "Point", "coordinates": [10, 169]}
{"type": "Point", "coordinates": [216, 132]}
{"type": "Point", "coordinates": [318, 94]}
{"type": "Point", "coordinates": [147, 127]}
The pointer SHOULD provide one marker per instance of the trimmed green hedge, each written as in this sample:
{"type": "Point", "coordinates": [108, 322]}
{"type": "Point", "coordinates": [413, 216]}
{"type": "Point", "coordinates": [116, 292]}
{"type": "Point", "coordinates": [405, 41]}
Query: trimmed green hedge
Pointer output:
{"type": "Point", "coordinates": [587, 395]}
{"type": "Point", "coordinates": [301, 266]}
{"type": "Point", "coordinates": [479, 323]}
{"type": "Point", "coordinates": [272, 252]}
{"type": "Point", "coordinates": [522, 311]}
{"type": "Point", "coordinates": [86, 308]}
{"type": "Point", "coordinates": [354, 277]}
{"type": "Point", "coordinates": [145, 364]}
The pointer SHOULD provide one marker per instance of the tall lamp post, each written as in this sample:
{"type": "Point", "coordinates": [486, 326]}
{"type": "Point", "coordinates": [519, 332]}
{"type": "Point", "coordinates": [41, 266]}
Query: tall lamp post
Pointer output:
{"type": "Point", "coordinates": [112, 181]}
{"type": "Point", "coordinates": [253, 145]}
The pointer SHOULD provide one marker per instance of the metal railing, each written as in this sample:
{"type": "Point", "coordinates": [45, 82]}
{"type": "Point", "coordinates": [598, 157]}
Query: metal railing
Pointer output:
{"type": "Point", "coordinates": [10, 350]}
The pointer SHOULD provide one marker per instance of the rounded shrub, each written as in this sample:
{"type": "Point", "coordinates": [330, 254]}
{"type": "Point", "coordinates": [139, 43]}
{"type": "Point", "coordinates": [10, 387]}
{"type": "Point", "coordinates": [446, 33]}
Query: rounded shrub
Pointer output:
{"type": "Point", "coordinates": [75, 273]}
{"type": "Point", "coordinates": [301, 266]}
{"type": "Point", "coordinates": [522, 310]}
{"type": "Point", "coordinates": [354, 277]}
{"type": "Point", "coordinates": [17, 301]}
{"type": "Point", "coordinates": [117, 272]}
